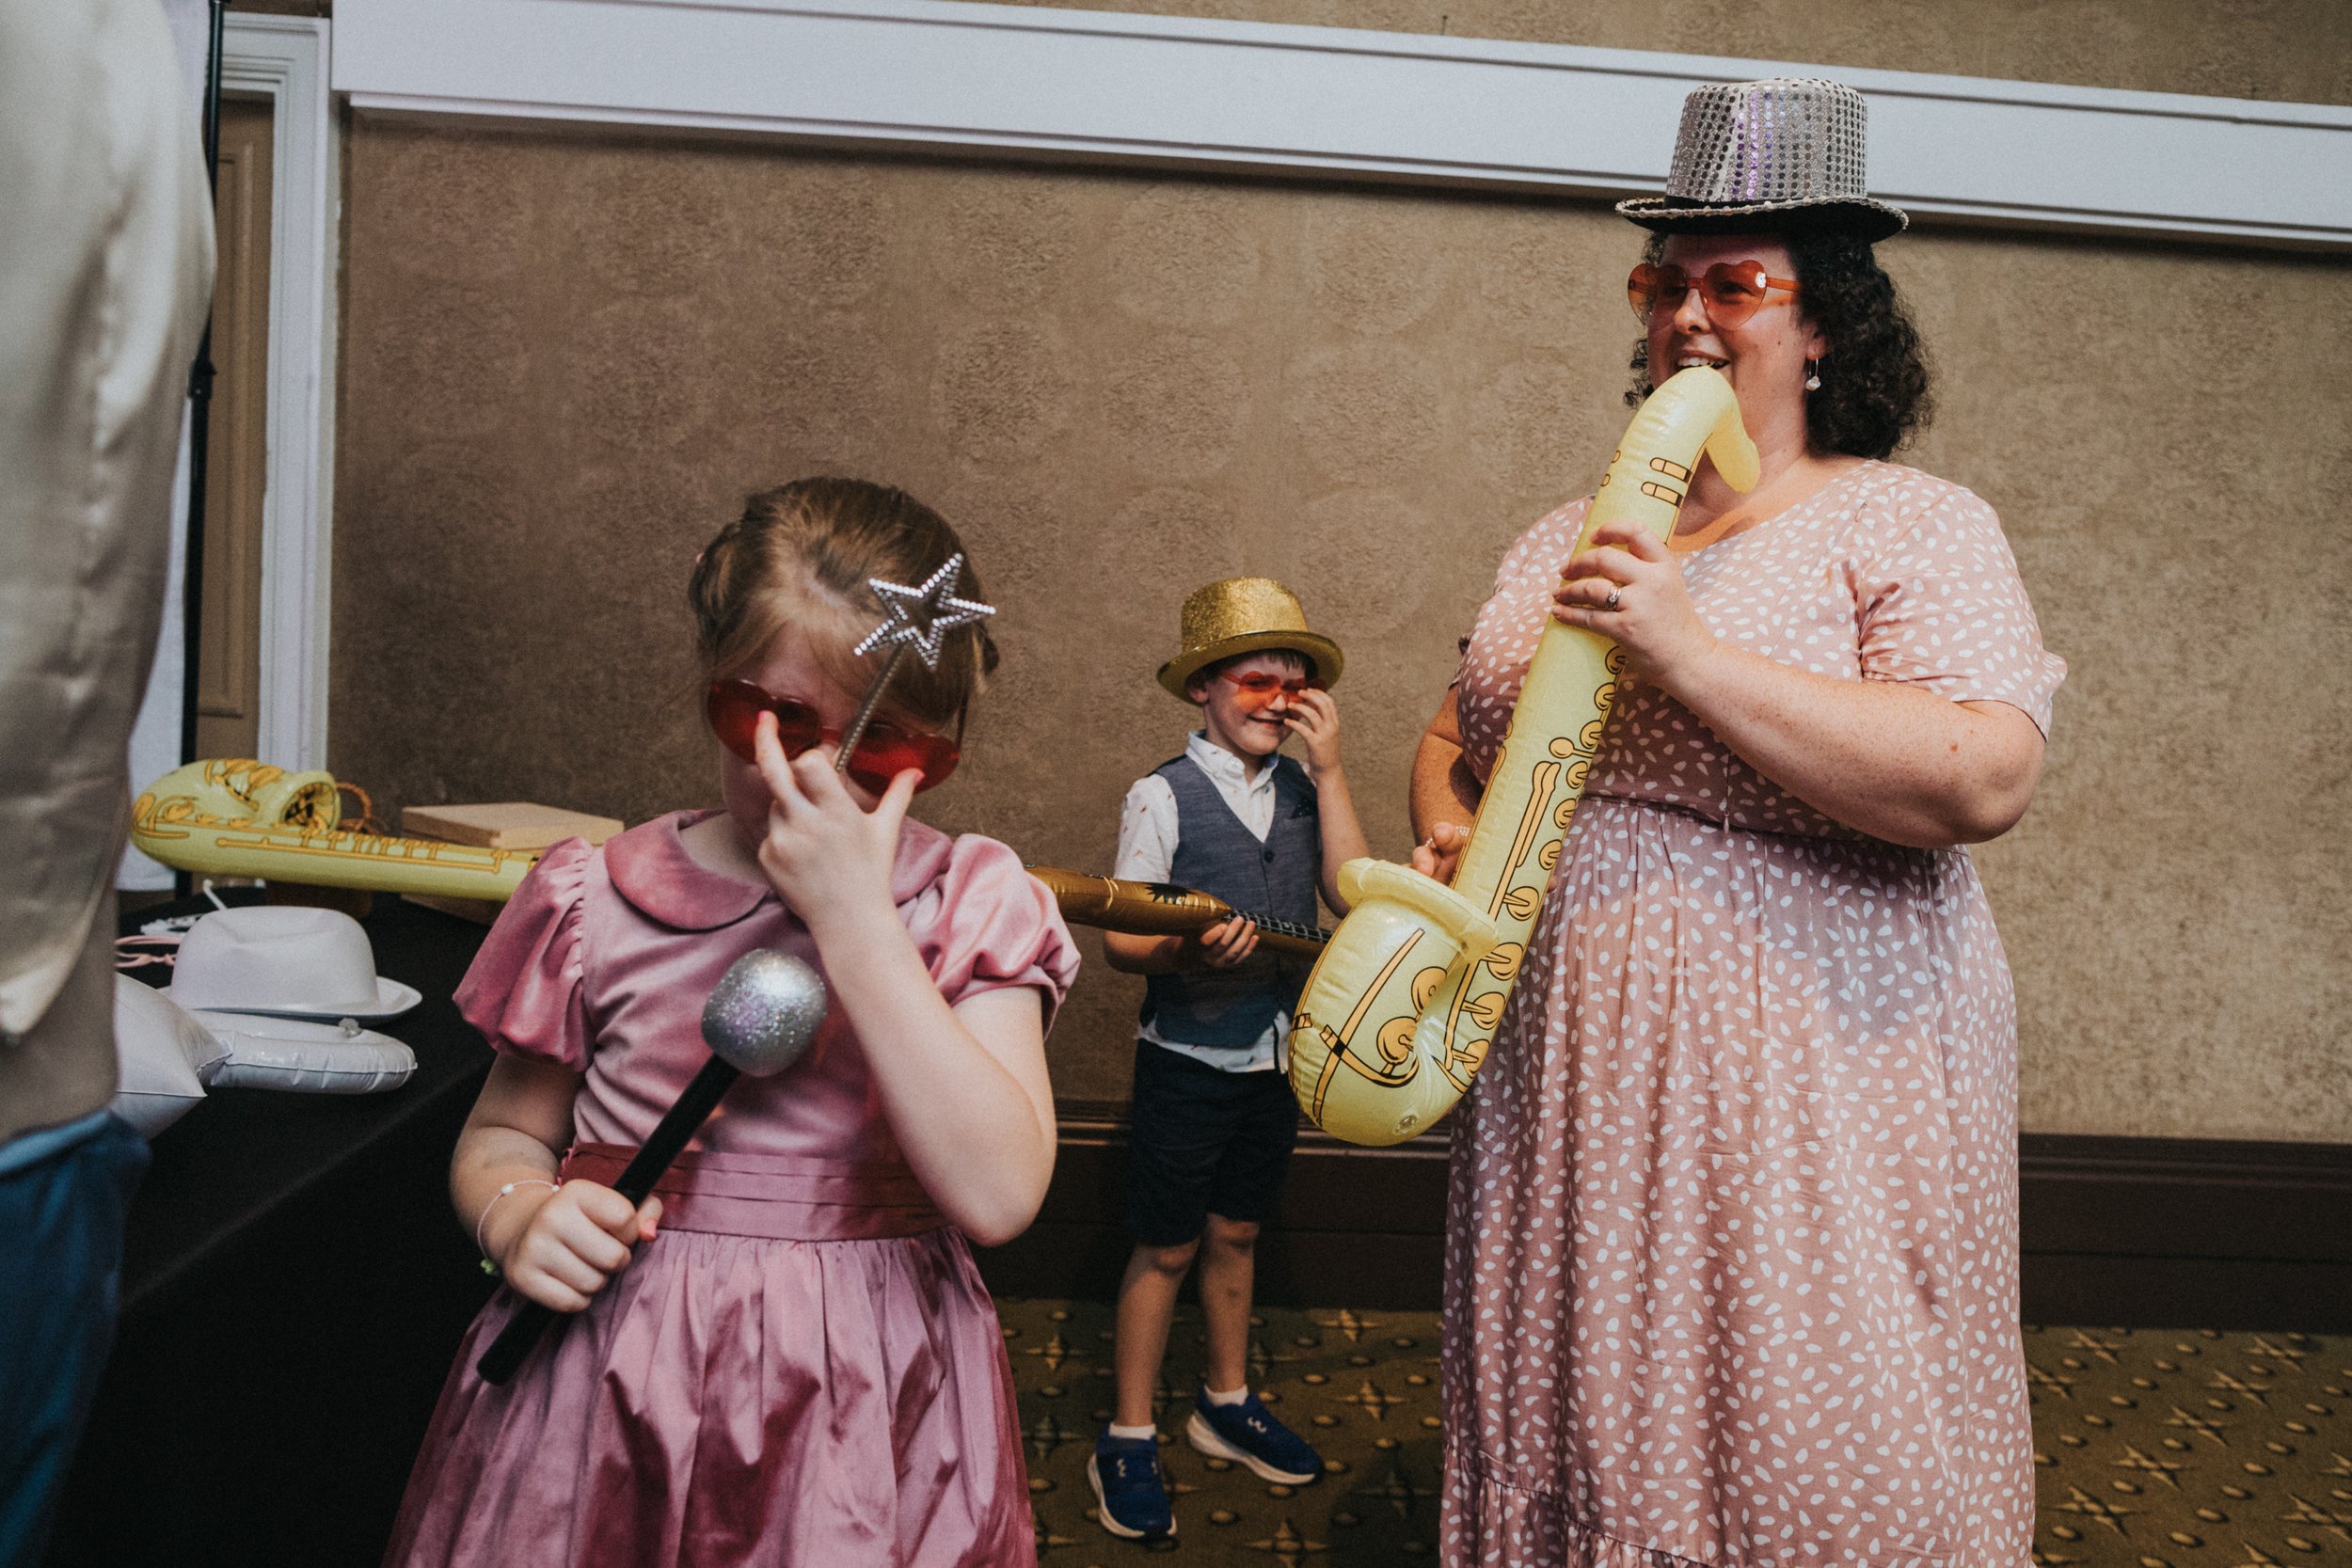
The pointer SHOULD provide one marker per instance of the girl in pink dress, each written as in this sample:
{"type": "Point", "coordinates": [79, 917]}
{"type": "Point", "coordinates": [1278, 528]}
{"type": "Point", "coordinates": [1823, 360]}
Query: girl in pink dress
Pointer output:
{"type": "Point", "coordinates": [786, 1355]}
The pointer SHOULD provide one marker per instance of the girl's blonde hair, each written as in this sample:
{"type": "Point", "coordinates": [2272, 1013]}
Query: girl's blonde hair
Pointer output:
{"type": "Point", "coordinates": [800, 557]}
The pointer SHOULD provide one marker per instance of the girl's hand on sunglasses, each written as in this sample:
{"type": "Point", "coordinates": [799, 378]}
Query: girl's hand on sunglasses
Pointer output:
{"type": "Point", "coordinates": [1315, 719]}
{"type": "Point", "coordinates": [827, 856]}
{"type": "Point", "coordinates": [1653, 619]}
{"type": "Point", "coordinates": [1226, 943]}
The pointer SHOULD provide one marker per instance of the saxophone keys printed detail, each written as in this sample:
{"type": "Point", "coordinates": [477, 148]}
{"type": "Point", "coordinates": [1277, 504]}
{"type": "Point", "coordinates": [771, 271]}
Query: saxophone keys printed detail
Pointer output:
{"type": "Point", "coordinates": [1462, 1062]}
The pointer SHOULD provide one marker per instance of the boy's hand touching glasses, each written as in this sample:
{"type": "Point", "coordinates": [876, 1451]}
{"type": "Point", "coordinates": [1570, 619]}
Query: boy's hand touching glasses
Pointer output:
{"type": "Point", "coordinates": [1314, 719]}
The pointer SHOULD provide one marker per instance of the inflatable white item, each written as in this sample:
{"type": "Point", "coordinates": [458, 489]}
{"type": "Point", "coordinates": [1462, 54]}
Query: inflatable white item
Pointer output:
{"type": "Point", "coordinates": [307, 1057]}
{"type": "Point", "coordinates": [165, 1058]}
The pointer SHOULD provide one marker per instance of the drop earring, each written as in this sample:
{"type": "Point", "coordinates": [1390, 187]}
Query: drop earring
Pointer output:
{"type": "Point", "coordinates": [1812, 375]}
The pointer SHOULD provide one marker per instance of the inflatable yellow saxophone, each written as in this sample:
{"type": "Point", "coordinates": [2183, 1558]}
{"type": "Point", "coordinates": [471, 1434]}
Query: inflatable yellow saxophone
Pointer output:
{"type": "Point", "coordinates": [233, 816]}
{"type": "Point", "coordinates": [1395, 1020]}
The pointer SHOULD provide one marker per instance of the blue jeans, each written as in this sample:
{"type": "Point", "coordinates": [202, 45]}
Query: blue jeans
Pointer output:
{"type": "Point", "coordinates": [63, 1191]}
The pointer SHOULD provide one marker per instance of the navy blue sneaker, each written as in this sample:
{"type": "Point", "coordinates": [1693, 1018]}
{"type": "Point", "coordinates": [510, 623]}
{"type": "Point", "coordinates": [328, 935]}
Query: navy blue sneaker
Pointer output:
{"type": "Point", "coordinates": [1125, 1474]}
{"type": "Point", "coordinates": [1248, 1434]}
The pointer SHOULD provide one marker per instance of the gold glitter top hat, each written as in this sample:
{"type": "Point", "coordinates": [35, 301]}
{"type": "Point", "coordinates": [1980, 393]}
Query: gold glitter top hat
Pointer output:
{"type": "Point", "coordinates": [1246, 615]}
{"type": "Point", "coordinates": [1773, 156]}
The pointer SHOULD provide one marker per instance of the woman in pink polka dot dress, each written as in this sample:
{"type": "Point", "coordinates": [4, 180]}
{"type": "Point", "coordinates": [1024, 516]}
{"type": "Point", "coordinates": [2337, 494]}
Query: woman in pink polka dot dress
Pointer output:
{"type": "Point", "coordinates": [1732, 1265]}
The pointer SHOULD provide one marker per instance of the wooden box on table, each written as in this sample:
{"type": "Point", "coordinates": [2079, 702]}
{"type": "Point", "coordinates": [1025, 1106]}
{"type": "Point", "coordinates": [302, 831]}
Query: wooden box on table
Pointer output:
{"type": "Point", "coordinates": [497, 825]}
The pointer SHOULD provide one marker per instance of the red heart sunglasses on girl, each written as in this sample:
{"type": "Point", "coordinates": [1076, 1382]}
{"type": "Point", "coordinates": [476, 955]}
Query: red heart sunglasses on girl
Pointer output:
{"type": "Point", "coordinates": [733, 709]}
{"type": "Point", "coordinates": [1256, 688]}
{"type": "Point", "coordinates": [1732, 290]}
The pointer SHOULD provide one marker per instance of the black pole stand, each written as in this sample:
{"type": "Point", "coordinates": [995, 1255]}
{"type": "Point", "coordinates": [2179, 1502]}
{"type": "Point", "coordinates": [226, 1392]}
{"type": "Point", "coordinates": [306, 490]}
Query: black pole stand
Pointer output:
{"type": "Point", "coordinates": [199, 440]}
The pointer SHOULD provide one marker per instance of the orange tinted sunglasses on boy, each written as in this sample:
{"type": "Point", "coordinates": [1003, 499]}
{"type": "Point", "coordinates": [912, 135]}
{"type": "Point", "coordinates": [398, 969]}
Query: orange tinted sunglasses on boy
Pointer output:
{"type": "Point", "coordinates": [1254, 688]}
{"type": "Point", "coordinates": [1731, 291]}
{"type": "Point", "coordinates": [884, 752]}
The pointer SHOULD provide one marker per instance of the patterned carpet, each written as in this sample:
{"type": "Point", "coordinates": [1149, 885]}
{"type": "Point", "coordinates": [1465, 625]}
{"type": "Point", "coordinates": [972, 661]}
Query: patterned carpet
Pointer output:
{"type": "Point", "coordinates": [2156, 1449]}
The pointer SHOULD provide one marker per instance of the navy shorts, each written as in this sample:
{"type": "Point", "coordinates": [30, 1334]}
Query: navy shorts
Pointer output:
{"type": "Point", "coordinates": [1206, 1142]}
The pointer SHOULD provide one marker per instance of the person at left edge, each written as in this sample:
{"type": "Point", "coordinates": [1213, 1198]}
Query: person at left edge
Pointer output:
{"type": "Point", "coordinates": [785, 1356]}
{"type": "Point", "coordinates": [105, 269]}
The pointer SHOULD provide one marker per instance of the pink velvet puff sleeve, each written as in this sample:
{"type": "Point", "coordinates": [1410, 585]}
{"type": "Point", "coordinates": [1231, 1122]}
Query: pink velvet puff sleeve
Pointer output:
{"type": "Point", "coordinates": [985, 923]}
{"type": "Point", "coordinates": [523, 992]}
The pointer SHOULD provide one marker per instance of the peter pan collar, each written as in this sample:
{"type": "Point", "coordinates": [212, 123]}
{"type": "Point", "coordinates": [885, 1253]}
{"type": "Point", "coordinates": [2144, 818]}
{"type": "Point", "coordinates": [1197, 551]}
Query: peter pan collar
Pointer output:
{"type": "Point", "coordinates": [650, 867]}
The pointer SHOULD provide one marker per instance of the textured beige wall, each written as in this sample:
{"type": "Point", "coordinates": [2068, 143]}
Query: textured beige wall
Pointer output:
{"type": "Point", "coordinates": [568, 356]}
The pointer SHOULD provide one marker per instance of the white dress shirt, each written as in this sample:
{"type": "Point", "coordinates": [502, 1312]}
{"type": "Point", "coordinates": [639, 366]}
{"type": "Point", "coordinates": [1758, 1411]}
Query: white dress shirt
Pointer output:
{"type": "Point", "coordinates": [1147, 853]}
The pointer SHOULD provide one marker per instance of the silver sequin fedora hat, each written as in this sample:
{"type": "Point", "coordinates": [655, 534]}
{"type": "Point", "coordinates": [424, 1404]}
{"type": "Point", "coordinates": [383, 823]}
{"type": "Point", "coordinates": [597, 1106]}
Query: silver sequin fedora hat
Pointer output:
{"type": "Point", "coordinates": [1778, 155]}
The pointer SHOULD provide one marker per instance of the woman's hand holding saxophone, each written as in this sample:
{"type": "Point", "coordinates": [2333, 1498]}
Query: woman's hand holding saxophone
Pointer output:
{"type": "Point", "coordinates": [1651, 618]}
{"type": "Point", "coordinates": [1628, 586]}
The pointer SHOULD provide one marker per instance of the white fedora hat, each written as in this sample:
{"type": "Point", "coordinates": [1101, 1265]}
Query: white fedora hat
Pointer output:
{"type": "Point", "coordinates": [286, 961]}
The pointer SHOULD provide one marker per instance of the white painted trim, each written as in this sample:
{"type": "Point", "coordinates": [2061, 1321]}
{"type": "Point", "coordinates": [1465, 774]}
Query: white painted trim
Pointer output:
{"type": "Point", "coordinates": [285, 58]}
{"type": "Point", "coordinates": [946, 75]}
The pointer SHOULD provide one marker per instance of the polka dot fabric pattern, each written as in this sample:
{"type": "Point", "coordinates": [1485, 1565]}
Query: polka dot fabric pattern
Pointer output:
{"type": "Point", "coordinates": [1732, 1259]}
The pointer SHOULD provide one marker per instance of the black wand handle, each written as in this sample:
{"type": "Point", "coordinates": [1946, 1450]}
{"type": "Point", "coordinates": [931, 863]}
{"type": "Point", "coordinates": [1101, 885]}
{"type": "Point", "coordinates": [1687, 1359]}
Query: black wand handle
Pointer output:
{"type": "Point", "coordinates": [700, 1097]}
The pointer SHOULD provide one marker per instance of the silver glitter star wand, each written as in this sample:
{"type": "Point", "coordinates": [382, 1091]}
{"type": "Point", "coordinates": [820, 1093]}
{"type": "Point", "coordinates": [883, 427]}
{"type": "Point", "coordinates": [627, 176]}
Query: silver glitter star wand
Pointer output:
{"type": "Point", "coordinates": [920, 618]}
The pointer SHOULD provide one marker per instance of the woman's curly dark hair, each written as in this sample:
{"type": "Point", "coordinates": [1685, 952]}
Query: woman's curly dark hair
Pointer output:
{"type": "Point", "coordinates": [1874, 393]}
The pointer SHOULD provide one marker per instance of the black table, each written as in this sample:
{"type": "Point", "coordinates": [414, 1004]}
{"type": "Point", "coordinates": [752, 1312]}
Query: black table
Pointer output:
{"type": "Point", "coordinates": [293, 1290]}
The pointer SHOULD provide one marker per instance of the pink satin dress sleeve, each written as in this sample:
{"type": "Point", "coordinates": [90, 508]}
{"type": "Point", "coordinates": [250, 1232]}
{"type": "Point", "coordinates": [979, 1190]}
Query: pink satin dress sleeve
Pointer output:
{"type": "Point", "coordinates": [803, 1366]}
{"type": "Point", "coordinates": [987, 924]}
{"type": "Point", "coordinates": [523, 990]}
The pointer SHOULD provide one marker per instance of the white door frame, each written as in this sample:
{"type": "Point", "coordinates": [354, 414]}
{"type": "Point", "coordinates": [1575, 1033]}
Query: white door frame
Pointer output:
{"type": "Point", "coordinates": [284, 58]}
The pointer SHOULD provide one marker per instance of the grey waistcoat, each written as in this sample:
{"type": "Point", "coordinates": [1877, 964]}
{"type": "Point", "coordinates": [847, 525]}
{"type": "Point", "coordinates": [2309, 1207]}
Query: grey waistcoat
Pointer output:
{"type": "Point", "coordinates": [1215, 853]}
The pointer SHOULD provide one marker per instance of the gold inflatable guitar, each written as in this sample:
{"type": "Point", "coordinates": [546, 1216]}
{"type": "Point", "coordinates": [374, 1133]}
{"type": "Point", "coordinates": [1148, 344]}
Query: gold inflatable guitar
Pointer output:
{"type": "Point", "coordinates": [233, 816]}
{"type": "Point", "coordinates": [1396, 1018]}
{"type": "Point", "coordinates": [1162, 909]}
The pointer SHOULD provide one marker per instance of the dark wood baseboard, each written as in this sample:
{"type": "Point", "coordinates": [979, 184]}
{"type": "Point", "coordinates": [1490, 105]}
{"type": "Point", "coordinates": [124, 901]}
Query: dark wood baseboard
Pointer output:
{"type": "Point", "coordinates": [2132, 1232]}
{"type": "Point", "coordinates": [2158, 1232]}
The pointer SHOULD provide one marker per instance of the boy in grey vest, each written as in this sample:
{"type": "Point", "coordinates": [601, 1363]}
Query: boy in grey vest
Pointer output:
{"type": "Point", "coordinates": [1213, 1119]}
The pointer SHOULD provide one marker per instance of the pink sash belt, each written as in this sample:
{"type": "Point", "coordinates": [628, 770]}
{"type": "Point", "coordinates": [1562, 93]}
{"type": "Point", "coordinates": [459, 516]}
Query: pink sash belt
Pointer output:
{"type": "Point", "coordinates": [783, 1197]}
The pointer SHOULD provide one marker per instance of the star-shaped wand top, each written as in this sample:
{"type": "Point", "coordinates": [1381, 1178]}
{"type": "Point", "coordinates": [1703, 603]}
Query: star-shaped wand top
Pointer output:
{"type": "Point", "coordinates": [921, 617]}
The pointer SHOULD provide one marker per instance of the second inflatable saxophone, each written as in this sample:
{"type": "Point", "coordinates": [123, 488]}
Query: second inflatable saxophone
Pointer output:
{"type": "Point", "coordinates": [1397, 1016]}
{"type": "Point", "coordinates": [233, 816]}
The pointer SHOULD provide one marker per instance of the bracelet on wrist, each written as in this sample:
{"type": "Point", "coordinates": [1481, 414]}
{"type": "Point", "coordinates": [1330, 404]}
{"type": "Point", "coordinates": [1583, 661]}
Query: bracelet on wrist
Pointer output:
{"type": "Point", "coordinates": [488, 1265]}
